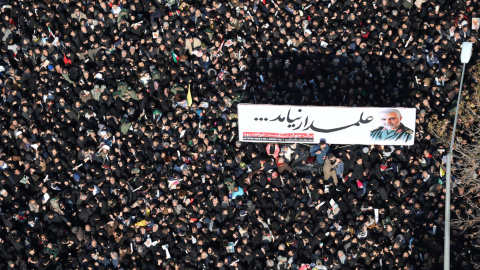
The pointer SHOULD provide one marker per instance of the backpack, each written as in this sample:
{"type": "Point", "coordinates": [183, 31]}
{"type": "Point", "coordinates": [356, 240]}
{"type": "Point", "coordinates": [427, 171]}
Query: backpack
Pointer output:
{"type": "Point", "coordinates": [311, 159]}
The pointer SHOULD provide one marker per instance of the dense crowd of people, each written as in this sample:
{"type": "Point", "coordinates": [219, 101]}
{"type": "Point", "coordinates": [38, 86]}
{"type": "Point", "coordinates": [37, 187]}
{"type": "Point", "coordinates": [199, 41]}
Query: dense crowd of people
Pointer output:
{"type": "Point", "coordinates": [104, 164]}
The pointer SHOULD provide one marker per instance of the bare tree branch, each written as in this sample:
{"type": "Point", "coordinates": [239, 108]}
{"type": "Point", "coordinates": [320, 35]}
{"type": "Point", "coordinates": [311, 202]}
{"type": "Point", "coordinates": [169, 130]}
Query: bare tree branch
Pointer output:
{"type": "Point", "coordinates": [466, 160]}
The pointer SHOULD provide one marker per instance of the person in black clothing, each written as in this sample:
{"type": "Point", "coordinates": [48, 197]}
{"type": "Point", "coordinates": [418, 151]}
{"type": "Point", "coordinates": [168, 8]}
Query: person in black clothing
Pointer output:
{"type": "Point", "coordinates": [99, 143]}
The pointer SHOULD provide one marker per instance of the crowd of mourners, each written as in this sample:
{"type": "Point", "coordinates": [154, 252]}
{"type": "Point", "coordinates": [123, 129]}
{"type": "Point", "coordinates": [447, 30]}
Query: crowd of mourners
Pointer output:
{"type": "Point", "coordinates": [104, 164]}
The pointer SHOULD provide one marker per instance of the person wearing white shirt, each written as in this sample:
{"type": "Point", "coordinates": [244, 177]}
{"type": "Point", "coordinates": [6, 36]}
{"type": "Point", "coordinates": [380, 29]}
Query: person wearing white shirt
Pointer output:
{"type": "Point", "coordinates": [116, 9]}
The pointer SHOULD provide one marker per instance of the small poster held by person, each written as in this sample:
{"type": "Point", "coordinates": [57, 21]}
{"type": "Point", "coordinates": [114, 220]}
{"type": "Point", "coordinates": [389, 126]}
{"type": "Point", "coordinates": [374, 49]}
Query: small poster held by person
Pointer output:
{"type": "Point", "coordinates": [475, 23]}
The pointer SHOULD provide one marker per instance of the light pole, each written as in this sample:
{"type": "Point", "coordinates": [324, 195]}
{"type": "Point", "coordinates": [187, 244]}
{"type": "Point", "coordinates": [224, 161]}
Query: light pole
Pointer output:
{"type": "Point", "coordinates": [465, 58]}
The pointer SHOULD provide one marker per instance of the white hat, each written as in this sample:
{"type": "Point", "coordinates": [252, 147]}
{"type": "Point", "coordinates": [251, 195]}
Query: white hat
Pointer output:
{"type": "Point", "coordinates": [106, 147]}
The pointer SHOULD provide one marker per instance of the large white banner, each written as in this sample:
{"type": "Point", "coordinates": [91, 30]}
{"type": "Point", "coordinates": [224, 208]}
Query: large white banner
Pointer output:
{"type": "Point", "coordinates": [336, 125]}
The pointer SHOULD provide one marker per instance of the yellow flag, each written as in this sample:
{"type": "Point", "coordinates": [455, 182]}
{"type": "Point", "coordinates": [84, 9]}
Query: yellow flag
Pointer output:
{"type": "Point", "coordinates": [442, 172]}
{"type": "Point", "coordinates": [189, 97]}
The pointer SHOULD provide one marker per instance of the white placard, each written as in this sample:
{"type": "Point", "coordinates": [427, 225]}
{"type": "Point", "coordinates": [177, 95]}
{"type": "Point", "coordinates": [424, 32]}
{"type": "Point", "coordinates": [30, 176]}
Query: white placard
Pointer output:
{"type": "Point", "coordinates": [475, 23]}
{"type": "Point", "coordinates": [335, 125]}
